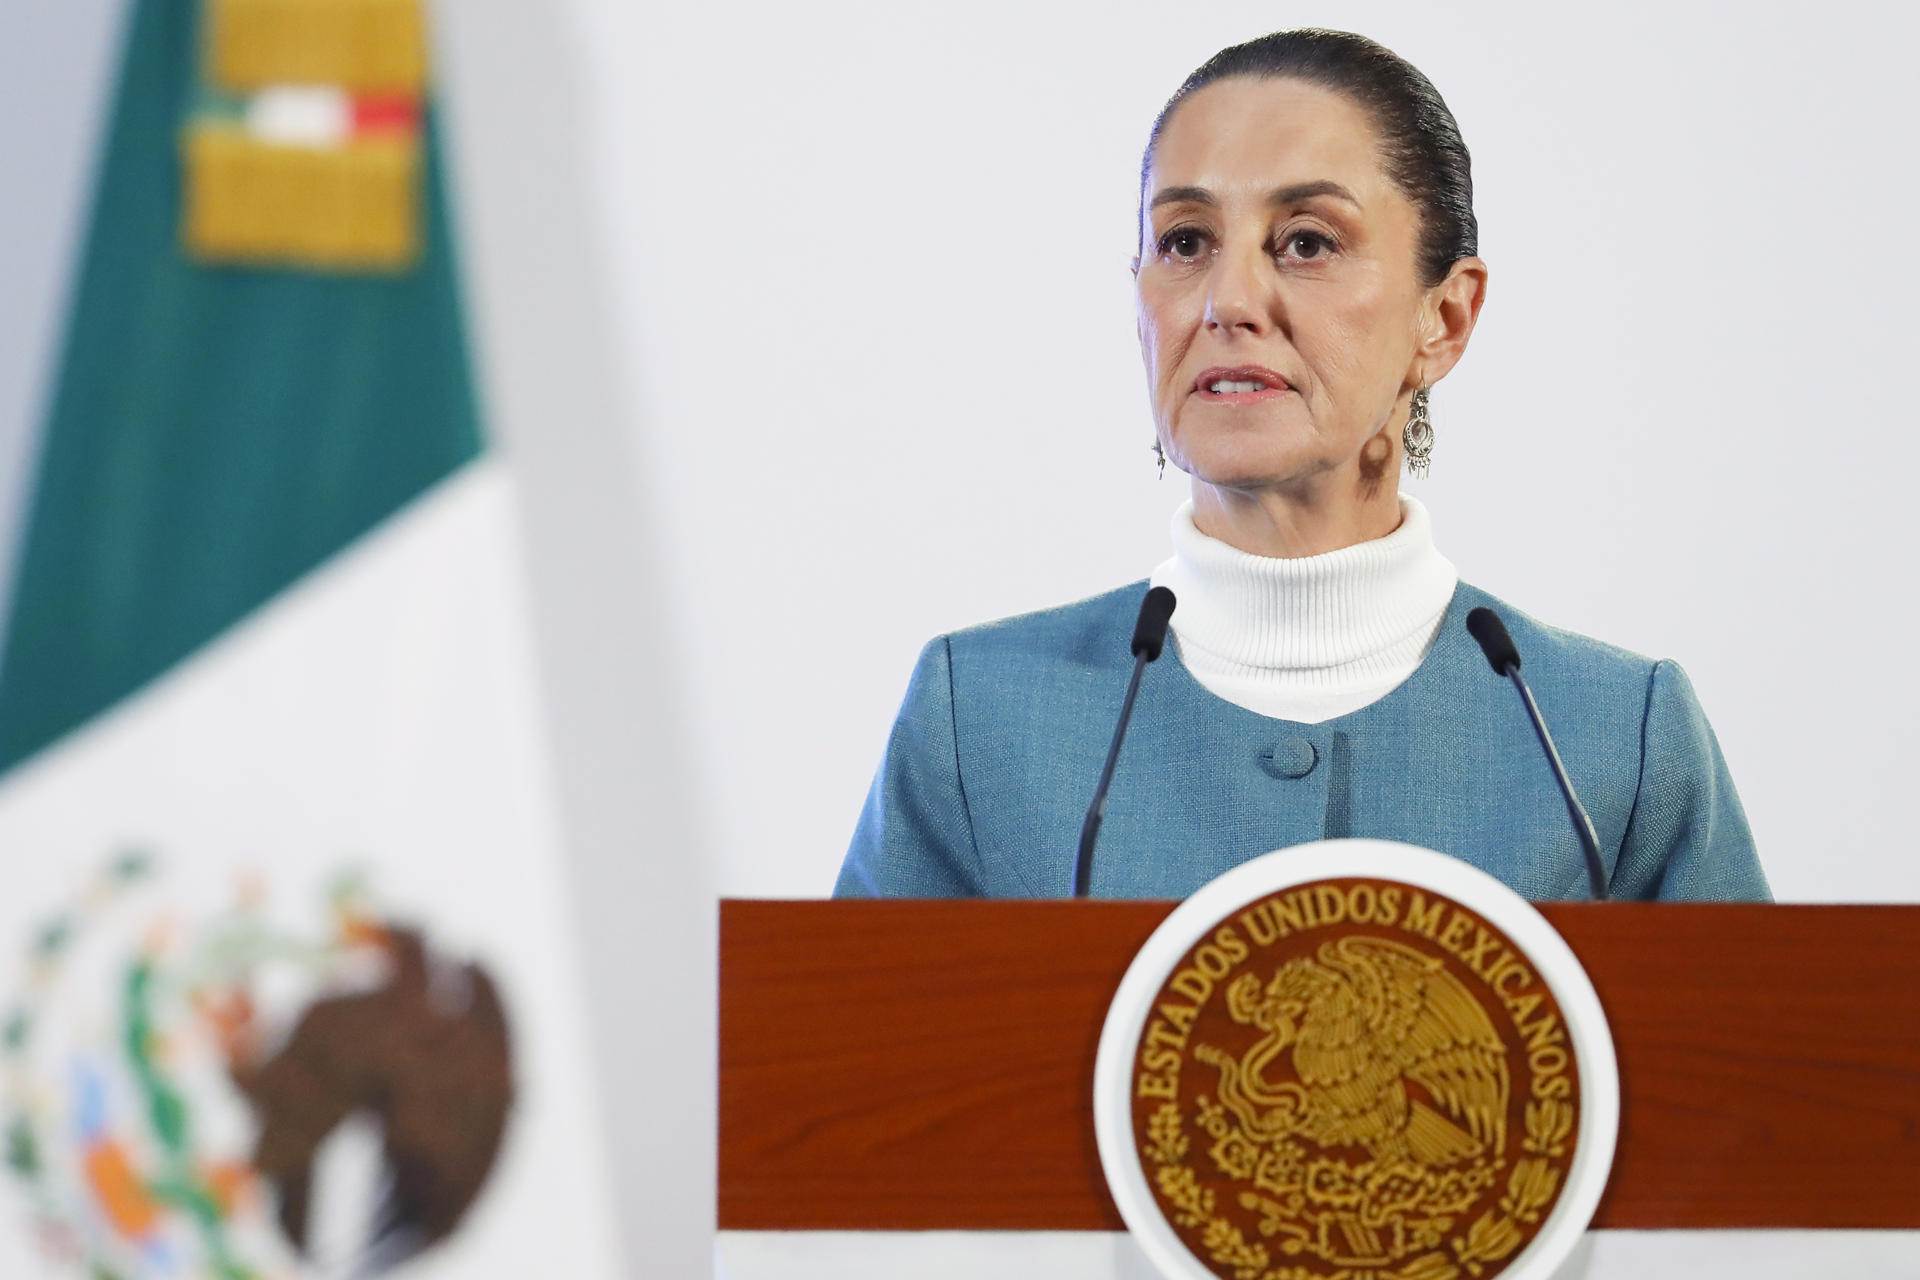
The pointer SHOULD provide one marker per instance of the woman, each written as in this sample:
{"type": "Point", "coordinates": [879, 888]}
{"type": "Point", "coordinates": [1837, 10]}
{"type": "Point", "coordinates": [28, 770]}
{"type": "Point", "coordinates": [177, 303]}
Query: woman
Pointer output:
{"type": "Point", "coordinates": [1308, 271]}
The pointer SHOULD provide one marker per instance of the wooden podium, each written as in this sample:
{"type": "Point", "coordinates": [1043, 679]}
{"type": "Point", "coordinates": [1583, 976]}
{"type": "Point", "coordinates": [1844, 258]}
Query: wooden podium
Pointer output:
{"type": "Point", "coordinates": [928, 1065]}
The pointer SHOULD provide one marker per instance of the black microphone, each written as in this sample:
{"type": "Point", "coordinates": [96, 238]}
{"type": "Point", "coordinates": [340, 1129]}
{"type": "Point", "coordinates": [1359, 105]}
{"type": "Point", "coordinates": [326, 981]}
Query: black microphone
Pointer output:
{"type": "Point", "coordinates": [1149, 637]}
{"type": "Point", "coordinates": [1487, 628]}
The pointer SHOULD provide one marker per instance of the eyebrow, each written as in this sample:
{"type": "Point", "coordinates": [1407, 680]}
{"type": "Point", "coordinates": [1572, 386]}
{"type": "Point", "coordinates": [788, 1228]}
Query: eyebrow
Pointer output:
{"type": "Point", "coordinates": [1278, 196]}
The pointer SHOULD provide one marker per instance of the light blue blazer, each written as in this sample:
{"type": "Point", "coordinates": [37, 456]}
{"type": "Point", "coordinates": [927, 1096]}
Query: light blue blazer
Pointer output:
{"type": "Point", "coordinates": [995, 753]}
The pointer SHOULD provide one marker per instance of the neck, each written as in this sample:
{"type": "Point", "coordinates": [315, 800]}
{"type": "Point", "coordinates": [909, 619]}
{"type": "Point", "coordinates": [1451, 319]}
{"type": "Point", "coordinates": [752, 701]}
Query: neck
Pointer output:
{"type": "Point", "coordinates": [1305, 518]}
{"type": "Point", "coordinates": [1307, 638]}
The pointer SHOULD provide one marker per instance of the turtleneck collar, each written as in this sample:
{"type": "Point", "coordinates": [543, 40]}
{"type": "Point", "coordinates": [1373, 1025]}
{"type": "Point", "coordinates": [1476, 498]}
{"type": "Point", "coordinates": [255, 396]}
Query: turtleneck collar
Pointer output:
{"type": "Point", "coordinates": [1302, 639]}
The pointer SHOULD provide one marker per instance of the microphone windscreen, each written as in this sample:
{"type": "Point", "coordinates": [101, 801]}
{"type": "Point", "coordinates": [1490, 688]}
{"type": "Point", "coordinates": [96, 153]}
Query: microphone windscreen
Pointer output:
{"type": "Point", "coordinates": [1487, 628]}
{"type": "Point", "coordinates": [1150, 632]}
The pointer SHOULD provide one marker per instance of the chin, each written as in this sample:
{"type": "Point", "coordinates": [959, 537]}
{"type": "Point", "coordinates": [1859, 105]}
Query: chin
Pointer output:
{"type": "Point", "coordinates": [1243, 467]}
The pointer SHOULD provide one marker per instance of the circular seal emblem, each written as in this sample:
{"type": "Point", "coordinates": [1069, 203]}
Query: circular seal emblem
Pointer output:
{"type": "Point", "coordinates": [1356, 1060]}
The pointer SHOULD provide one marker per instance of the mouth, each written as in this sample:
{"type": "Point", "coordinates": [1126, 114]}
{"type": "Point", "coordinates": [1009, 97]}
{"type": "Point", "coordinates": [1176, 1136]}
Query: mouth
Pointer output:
{"type": "Point", "coordinates": [1244, 384]}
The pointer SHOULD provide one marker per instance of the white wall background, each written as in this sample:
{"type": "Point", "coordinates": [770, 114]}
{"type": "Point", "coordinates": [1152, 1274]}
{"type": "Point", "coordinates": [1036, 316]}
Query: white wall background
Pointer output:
{"type": "Point", "coordinates": [837, 295]}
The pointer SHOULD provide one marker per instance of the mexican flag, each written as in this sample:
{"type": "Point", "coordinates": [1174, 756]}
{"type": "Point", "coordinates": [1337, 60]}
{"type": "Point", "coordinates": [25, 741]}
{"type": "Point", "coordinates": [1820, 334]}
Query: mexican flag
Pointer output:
{"type": "Point", "coordinates": [287, 982]}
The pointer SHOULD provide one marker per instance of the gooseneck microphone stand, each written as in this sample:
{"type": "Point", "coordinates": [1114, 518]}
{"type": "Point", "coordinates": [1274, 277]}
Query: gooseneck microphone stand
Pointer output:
{"type": "Point", "coordinates": [1149, 637]}
{"type": "Point", "coordinates": [1487, 628]}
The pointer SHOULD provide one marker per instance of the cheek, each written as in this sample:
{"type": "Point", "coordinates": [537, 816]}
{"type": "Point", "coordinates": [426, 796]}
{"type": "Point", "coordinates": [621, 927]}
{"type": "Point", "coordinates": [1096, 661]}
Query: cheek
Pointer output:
{"type": "Point", "coordinates": [1345, 349]}
{"type": "Point", "coordinates": [1168, 320]}
{"type": "Point", "coordinates": [1354, 344]}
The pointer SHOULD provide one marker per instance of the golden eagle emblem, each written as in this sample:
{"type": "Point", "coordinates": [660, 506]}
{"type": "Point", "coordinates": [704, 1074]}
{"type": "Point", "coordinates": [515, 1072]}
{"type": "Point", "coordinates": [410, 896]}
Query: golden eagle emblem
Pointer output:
{"type": "Point", "coordinates": [1361, 1020]}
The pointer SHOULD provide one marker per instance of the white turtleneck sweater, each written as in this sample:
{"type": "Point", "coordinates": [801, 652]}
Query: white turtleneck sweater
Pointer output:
{"type": "Point", "coordinates": [1312, 638]}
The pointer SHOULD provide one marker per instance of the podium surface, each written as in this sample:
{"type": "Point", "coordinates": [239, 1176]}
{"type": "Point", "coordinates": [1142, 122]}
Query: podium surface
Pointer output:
{"type": "Point", "coordinates": [929, 1065]}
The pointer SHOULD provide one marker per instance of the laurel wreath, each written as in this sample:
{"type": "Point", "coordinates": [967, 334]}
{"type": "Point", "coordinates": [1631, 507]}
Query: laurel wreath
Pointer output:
{"type": "Point", "coordinates": [1493, 1236]}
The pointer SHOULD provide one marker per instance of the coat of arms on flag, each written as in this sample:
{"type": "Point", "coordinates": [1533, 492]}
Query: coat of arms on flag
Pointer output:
{"type": "Point", "coordinates": [303, 148]}
{"type": "Point", "coordinates": [237, 1094]}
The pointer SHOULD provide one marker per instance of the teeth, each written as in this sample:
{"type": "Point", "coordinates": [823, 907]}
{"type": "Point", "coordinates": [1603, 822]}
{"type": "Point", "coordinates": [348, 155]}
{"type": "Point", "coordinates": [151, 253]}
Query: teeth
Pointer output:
{"type": "Point", "coordinates": [1225, 388]}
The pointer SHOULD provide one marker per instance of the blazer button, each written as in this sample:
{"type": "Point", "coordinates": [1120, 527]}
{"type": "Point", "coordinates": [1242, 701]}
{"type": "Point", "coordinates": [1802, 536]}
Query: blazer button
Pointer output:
{"type": "Point", "coordinates": [1293, 758]}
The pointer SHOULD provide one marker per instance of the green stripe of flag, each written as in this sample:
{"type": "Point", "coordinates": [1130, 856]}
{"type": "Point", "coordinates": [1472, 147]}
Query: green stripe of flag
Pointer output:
{"type": "Point", "coordinates": [214, 433]}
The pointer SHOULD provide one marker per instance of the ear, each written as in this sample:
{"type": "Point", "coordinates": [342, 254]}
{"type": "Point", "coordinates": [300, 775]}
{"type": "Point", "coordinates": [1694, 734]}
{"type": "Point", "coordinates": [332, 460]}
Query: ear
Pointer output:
{"type": "Point", "coordinates": [1139, 326]}
{"type": "Point", "coordinates": [1447, 317]}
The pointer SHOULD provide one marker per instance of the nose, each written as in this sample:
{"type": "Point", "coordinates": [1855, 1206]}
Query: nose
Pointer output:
{"type": "Point", "coordinates": [1241, 293]}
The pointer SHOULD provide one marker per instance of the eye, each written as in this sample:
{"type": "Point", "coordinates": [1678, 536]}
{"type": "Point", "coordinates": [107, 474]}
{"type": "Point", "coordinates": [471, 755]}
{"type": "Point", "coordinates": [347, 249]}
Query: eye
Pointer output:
{"type": "Point", "coordinates": [1183, 244]}
{"type": "Point", "coordinates": [1306, 245]}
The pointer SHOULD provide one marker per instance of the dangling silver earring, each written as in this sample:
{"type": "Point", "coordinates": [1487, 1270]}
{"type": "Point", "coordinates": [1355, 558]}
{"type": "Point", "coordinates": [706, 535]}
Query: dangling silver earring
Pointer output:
{"type": "Point", "coordinates": [1418, 435]}
{"type": "Point", "coordinates": [1161, 454]}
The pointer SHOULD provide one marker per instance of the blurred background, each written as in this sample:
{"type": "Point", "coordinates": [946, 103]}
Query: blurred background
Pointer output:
{"type": "Point", "coordinates": [510, 456]}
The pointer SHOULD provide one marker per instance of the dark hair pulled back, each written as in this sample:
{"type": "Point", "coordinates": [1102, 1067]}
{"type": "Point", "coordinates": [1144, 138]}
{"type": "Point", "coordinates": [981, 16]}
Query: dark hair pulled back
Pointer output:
{"type": "Point", "coordinates": [1420, 143]}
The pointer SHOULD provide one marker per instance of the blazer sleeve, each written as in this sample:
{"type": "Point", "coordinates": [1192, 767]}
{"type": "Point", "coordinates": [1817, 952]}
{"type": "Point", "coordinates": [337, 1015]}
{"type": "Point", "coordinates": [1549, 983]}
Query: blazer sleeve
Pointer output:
{"type": "Point", "coordinates": [1687, 838]}
{"type": "Point", "coordinates": [915, 836]}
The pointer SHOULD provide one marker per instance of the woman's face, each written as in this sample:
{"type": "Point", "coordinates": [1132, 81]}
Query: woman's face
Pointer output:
{"type": "Point", "coordinates": [1281, 314]}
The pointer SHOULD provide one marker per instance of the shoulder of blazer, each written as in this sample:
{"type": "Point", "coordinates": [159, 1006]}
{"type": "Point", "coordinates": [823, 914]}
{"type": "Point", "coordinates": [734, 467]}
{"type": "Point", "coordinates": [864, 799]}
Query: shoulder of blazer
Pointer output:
{"type": "Point", "coordinates": [1552, 656]}
{"type": "Point", "coordinates": [1087, 634]}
